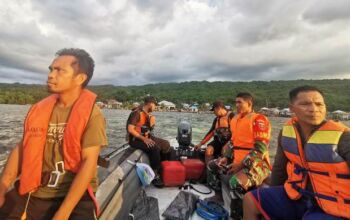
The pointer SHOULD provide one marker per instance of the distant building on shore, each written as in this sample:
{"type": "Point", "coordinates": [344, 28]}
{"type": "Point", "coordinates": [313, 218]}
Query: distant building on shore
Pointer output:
{"type": "Point", "coordinates": [194, 107]}
{"type": "Point", "coordinates": [101, 104]}
{"type": "Point", "coordinates": [286, 112]}
{"type": "Point", "coordinates": [270, 111]}
{"type": "Point", "coordinates": [185, 106]}
{"type": "Point", "coordinates": [340, 115]}
{"type": "Point", "coordinates": [167, 106]}
{"type": "Point", "coordinates": [112, 103]}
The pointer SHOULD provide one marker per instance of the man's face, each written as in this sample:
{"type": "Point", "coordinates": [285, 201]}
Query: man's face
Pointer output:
{"type": "Point", "coordinates": [309, 108]}
{"type": "Point", "coordinates": [243, 106]}
{"type": "Point", "coordinates": [219, 111]}
{"type": "Point", "coordinates": [152, 106]}
{"type": "Point", "coordinates": [62, 77]}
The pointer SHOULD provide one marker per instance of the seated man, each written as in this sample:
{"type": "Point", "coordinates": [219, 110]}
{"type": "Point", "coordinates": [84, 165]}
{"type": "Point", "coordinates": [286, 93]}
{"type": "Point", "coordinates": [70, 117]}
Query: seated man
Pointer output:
{"type": "Point", "coordinates": [53, 169]}
{"type": "Point", "coordinates": [247, 154]}
{"type": "Point", "coordinates": [220, 130]}
{"type": "Point", "coordinates": [312, 163]}
{"type": "Point", "coordinates": [139, 127]}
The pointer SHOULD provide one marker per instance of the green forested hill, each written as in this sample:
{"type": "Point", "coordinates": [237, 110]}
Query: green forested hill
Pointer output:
{"type": "Point", "coordinates": [271, 94]}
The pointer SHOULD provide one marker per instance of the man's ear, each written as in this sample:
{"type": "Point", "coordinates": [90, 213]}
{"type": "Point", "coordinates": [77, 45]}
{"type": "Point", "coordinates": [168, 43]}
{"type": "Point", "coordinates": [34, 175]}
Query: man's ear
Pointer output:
{"type": "Point", "coordinates": [80, 78]}
{"type": "Point", "coordinates": [290, 105]}
{"type": "Point", "coordinates": [250, 103]}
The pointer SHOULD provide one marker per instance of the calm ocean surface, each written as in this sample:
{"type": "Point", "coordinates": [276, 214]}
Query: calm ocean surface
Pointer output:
{"type": "Point", "coordinates": [12, 117]}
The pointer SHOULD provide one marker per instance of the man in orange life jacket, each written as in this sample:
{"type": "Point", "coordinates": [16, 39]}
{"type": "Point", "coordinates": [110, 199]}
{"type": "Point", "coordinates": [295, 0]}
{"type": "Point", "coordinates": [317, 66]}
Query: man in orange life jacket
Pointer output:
{"type": "Point", "coordinates": [310, 176]}
{"type": "Point", "coordinates": [220, 130]}
{"type": "Point", "coordinates": [248, 147]}
{"type": "Point", "coordinates": [250, 132]}
{"type": "Point", "coordinates": [139, 127]}
{"type": "Point", "coordinates": [56, 161]}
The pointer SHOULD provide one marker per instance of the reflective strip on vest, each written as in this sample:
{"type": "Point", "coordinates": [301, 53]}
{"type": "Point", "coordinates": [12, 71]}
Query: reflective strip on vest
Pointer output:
{"type": "Point", "coordinates": [290, 145]}
{"type": "Point", "coordinates": [327, 171]}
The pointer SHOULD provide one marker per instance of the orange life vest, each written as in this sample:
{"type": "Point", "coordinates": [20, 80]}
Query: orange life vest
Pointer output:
{"type": "Point", "coordinates": [223, 122]}
{"type": "Point", "coordinates": [34, 138]}
{"type": "Point", "coordinates": [146, 122]}
{"type": "Point", "coordinates": [222, 131]}
{"type": "Point", "coordinates": [319, 162]}
{"type": "Point", "coordinates": [242, 135]}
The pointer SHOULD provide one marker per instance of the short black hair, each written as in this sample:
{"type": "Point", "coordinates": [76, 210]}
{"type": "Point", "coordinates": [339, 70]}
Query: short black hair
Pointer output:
{"type": "Point", "coordinates": [246, 96]}
{"type": "Point", "coordinates": [295, 92]}
{"type": "Point", "coordinates": [85, 63]}
{"type": "Point", "coordinates": [150, 99]}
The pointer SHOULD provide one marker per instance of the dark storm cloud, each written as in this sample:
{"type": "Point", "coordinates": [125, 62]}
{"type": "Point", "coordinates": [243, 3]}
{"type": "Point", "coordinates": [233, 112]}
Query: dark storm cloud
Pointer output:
{"type": "Point", "coordinates": [15, 75]}
{"type": "Point", "coordinates": [145, 41]}
{"type": "Point", "coordinates": [324, 11]}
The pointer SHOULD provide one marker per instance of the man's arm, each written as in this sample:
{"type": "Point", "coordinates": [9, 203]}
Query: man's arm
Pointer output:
{"type": "Point", "coordinates": [279, 170]}
{"type": "Point", "coordinates": [134, 133]}
{"type": "Point", "coordinates": [132, 130]}
{"type": "Point", "coordinates": [10, 172]}
{"type": "Point", "coordinates": [131, 126]}
{"type": "Point", "coordinates": [80, 183]}
{"type": "Point", "coordinates": [344, 147]}
{"type": "Point", "coordinates": [208, 136]}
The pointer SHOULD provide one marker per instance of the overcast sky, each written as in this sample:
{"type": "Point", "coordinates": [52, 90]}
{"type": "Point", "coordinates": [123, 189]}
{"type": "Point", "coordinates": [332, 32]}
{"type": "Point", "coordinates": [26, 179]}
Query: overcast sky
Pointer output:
{"type": "Point", "coordinates": [136, 42]}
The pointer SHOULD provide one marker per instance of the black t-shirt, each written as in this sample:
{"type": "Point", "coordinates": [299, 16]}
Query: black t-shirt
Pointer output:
{"type": "Point", "coordinates": [133, 119]}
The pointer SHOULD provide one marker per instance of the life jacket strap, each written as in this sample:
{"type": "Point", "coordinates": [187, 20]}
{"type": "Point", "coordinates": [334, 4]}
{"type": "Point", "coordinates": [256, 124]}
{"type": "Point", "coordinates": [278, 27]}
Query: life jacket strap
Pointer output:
{"type": "Point", "coordinates": [93, 197]}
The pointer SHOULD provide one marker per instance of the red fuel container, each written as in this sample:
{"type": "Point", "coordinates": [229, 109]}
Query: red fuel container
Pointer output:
{"type": "Point", "coordinates": [194, 168]}
{"type": "Point", "coordinates": [173, 173]}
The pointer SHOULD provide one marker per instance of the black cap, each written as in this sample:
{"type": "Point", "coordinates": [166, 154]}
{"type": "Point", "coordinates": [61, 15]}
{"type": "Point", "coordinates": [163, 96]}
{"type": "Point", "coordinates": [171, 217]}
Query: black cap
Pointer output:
{"type": "Point", "coordinates": [218, 103]}
{"type": "Point", "coordinates": [150, 99]}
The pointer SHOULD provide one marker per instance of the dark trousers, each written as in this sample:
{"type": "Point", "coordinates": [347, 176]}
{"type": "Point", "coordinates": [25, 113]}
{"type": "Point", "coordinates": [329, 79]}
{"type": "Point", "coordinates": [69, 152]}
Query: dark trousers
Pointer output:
{"type": "Point", "coordinates": [157, 153]}
{"type": "Point", "coordinates": [43, 209]}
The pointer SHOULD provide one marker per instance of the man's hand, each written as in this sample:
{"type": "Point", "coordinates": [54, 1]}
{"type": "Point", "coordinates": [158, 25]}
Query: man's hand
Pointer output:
{"type": "Point", "coordinates": [234, 168]}
{"type": "Point", "coordinates": [197, 147]}
{"type": "Point", "coordinates": [10, 172]}
{"type": "Point", "coordinates": [3, 190]}
{"type": "Point", "coordinates": [222, 161]}
{"type": "Point", "coordinates": [149, 142]}
{"type": "Point", "coordinates": [2, 200]}
{"type": "Point", "coordinates": [88, 169]}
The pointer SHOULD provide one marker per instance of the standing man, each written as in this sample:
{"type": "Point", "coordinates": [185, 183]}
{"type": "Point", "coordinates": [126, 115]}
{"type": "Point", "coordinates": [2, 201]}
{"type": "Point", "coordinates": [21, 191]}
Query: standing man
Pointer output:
{"type": "Point", "coordinates": [246, 159]}
{"type": "Point", "coordinates": [312, 163]}
{"type": "Point", "coordinates": [56, 161]}
{"type": "Point", "coordinates": [220, 130]}
{"type": "Point", "coordinates": [139, 127]}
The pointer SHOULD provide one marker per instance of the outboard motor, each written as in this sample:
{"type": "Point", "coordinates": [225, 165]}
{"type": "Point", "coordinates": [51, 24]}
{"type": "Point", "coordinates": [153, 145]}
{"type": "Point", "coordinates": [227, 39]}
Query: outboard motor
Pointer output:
{"type": "Point", "coordinates": [184, 134]}
{"type": "Point", "coordinates": [184, 138]}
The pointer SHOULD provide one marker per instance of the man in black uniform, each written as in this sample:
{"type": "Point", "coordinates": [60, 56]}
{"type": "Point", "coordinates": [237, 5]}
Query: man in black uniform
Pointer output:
{"type": "Point", "coordinates": [139, 127]}
{"type": "Point", "coordinates": [220, 130]}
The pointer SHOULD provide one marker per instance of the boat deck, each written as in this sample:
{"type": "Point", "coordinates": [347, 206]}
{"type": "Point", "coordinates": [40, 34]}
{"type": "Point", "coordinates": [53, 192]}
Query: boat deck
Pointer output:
{"type": "Point", "coordinates": [167, 194]}
{"type": "Point", "coordinates": [120, 186]}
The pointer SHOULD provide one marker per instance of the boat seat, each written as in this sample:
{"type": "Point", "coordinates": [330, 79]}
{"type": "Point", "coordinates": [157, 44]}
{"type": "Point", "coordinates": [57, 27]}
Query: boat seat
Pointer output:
{"type": "Point", "coordinates": [119, 186]}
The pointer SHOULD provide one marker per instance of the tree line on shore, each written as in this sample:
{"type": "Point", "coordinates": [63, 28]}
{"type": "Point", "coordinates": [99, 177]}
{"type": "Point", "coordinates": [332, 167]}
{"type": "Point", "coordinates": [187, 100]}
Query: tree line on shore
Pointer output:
{"type": "Point", "coordinates": [266, 93]}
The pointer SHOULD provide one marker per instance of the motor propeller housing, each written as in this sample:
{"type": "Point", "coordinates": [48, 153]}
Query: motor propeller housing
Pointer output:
{"type": "Point", "coordinates": [184, 135]}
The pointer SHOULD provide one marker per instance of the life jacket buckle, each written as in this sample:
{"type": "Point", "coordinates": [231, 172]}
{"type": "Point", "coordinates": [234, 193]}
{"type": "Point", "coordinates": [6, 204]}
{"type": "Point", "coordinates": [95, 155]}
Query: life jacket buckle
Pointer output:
{"type": "Point", "coordinates": [55, 175]}
{"type": "Point", "coordinates": [60, 167]}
